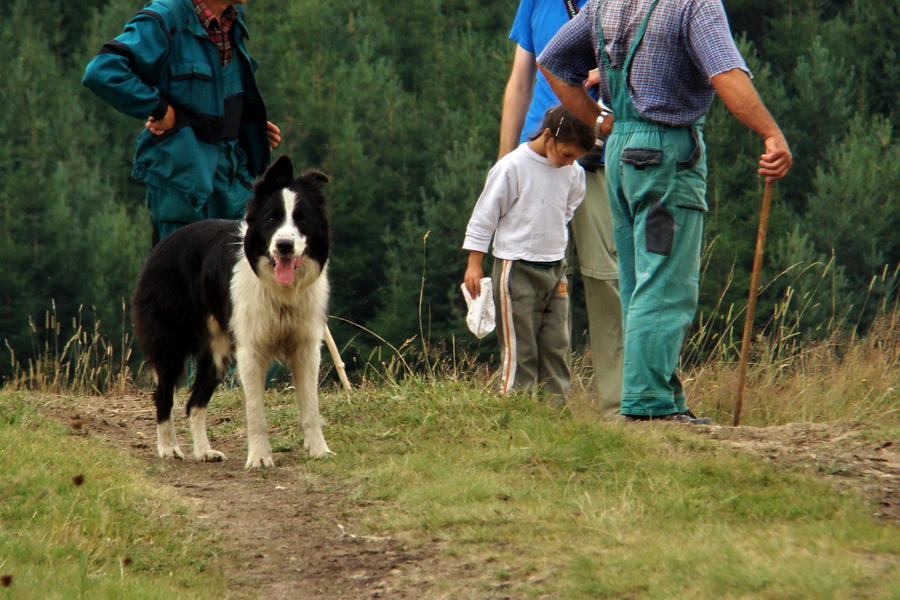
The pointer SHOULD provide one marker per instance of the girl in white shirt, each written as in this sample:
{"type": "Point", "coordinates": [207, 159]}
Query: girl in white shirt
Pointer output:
{"type": "Point", "coordinates": [528, 200]}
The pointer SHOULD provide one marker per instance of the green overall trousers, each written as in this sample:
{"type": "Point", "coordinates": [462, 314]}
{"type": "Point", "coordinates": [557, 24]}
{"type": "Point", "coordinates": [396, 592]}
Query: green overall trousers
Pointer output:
{"type": "Point", "coordinates": [656, 178]}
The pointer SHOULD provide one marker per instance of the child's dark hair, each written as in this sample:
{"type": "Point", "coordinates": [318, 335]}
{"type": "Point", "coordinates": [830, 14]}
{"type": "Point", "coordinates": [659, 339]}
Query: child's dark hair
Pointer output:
{"type": "Point", "coordinates": [566, 128]}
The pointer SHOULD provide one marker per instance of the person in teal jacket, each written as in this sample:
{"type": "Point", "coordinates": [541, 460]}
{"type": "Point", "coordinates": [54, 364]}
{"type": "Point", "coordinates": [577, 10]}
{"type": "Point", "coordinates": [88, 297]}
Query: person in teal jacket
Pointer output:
{"type": "Point", "coordinates": [183, 67]}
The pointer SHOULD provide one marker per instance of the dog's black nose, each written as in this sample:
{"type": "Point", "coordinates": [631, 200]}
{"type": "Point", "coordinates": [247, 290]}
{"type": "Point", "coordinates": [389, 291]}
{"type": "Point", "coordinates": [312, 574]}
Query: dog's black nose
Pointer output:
{"type": "Point", "coordinates": [284, 246]}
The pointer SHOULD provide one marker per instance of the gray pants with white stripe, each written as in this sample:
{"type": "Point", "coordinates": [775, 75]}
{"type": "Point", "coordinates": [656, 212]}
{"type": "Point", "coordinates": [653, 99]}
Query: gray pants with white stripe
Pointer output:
{"type": "Point", "coordinates": [532, 305]}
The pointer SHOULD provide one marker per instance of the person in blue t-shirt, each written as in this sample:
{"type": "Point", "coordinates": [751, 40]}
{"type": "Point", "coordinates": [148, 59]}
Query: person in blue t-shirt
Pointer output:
{"type": "Point", "coordinates": [527, 98]}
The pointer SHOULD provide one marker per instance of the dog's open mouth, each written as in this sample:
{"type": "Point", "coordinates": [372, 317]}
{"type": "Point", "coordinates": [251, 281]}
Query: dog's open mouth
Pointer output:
{"type": "Point", "coordinates": [284, 267]}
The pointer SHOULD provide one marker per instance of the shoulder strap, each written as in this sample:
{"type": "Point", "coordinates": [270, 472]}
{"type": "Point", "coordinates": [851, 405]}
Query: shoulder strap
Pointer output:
{"type": "Point", "coordinates": [571, 8]}
{"type": "Point", "coordinates": [638, 38]}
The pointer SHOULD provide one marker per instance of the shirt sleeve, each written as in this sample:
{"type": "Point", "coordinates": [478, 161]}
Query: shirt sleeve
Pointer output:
{"type": "Point", "coordinates": [709, 40]}
{"type": "Point", "coordinates": [521, 33]}
{"type": "Point", "coordinates": [576, 192]}
{"type": "Point", "coordinates": [570, 54]}
{"type": "Point", "coordinates": [499, 195]}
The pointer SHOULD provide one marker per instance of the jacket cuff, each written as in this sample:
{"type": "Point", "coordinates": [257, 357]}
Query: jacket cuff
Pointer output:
{"type": "Point", "coordinates": [159, 113]}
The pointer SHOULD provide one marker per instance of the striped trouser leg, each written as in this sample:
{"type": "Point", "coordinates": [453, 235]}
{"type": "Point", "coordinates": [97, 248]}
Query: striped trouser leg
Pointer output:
{"type": "Point", "coordinates": [532, 322]}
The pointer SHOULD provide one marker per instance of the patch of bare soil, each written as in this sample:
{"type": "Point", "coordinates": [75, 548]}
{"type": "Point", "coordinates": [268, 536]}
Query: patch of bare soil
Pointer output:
{"type": "Point", "coordinates": [846, 454]}
{"type": "Point", "coordinates": [294, 533]}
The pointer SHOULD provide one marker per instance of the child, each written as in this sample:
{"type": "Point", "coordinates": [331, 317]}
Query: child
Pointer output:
{"type": "Point", "coordinates": [528, 199]}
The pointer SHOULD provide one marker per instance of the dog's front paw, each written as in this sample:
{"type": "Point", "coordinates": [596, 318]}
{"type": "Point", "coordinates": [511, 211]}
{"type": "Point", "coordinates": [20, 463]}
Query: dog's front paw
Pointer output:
{"type": "Point", "coordinates": [259, 453]}
{"type": "Point", "coordinates": [259, 462]}
{"type": "Point", "coordinates": [210, 456]}
{"type": "Point", "coordinates": [318, 449]}
{"type": "Point", "coordinates": [170, 452]}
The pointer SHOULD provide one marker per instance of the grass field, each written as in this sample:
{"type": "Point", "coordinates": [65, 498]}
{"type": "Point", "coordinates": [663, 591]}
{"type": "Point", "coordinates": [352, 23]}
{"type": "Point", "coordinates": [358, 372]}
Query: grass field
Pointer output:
{"type": "Point", "coordinates": [546, 504]}
{"type": "Point", "coordinates": [537, 502]}
{"type": "Point", "coordinates": [563, 506]}
{"type": "Point", "coordinates": [80, 522]}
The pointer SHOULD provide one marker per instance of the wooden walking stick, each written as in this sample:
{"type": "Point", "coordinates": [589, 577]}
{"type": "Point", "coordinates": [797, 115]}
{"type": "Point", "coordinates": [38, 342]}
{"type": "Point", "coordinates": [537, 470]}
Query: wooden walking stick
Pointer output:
{"type": "Point", "coordinates": [751, 301]}
{"type": "Point", "coordinates": [336, 358]}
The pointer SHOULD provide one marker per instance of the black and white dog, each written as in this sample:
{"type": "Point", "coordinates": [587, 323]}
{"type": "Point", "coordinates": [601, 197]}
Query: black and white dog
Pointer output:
{"type": "Point", "coordinates": [254, 289]}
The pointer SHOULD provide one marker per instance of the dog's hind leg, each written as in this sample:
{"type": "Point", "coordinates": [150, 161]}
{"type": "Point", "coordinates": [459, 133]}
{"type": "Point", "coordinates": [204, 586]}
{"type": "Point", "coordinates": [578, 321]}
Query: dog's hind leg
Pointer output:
{"type": "Point", "coordinates": [252, 369]}
{"type": "Point", "coordinates": [167, 376]}
{"type": "Point", "coordinates": [206, 378]}
{"type": "Point", "coordinates": [305, 371]}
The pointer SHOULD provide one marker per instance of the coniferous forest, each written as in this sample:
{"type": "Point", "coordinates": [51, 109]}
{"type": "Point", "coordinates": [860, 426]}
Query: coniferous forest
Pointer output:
{"type": "Point", "coordinates": [400, 103]}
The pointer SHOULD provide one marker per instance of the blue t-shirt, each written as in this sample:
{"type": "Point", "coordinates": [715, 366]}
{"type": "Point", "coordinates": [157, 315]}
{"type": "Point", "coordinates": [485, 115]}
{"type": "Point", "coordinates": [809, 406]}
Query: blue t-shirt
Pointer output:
{"type": "Point", "coordinates": [537, 21]}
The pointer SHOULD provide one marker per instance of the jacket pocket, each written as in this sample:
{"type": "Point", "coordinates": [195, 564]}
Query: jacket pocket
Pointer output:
{"type": "Point", "coordinates": [193, 86]}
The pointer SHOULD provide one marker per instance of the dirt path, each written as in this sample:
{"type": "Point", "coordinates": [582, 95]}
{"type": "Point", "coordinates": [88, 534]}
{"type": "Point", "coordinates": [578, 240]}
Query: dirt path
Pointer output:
{"type": "Point", "coordinates": [842, 453]}
{"type": "Point", "coordinates": [292, 531]}
{"type": "Point", "coordinates": [295, 533]}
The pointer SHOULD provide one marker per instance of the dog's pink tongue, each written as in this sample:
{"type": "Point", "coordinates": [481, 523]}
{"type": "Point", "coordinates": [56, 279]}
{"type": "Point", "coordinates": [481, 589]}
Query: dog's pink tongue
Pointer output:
{"type": "Point", "coordinates": [284, 270]}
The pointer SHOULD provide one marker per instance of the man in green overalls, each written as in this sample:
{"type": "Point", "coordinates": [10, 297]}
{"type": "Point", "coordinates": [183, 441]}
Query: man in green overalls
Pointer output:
{"type": "Point", "coordinates": [183, 66]}
{"type": "Point", "coordinates": [661, 65]}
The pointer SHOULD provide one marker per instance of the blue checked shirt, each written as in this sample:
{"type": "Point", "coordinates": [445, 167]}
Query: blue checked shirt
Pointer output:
{"type": "Point", "coordinates": [687, 42]}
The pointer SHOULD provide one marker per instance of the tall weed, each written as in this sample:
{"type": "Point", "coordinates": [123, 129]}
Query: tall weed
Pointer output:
{"type": "Point", "coordinates": [79, 362]}
{"type": "Point", "coordinates": [800, 371]}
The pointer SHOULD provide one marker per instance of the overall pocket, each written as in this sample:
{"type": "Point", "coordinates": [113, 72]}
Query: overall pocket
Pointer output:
{"type": "Point", "coordinates": [690, 176]}
{"type": "Point", "coordinates": [659, 229]}
{"type": "Point", "coordinates": [647, 175]}
{"type": "Point", "coordinates": [644, 174]}
{"type": "Point", "coordinates": [641, 158]}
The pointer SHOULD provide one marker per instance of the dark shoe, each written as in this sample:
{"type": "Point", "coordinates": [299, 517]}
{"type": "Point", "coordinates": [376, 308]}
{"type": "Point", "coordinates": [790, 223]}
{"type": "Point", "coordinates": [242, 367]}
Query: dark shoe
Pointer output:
{"type": "Point", "coordinates": [685, 418]}
{"type": "Point", "coordinates": [698, 420]}
{"type": "Point", "coordinates": [636, 417]}
{"type": "Point", "coordinates": [676, 417]}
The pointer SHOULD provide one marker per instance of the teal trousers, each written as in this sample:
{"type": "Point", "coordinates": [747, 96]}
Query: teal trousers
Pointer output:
{"type": "Point", "coordinates": [171, 210]}
{"type": "Point", "coordinates": [657, 189]}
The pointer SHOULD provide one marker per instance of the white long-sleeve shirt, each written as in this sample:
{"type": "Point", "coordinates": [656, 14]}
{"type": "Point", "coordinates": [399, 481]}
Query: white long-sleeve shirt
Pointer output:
{"type": "Point", "coordinates": [525, 206]}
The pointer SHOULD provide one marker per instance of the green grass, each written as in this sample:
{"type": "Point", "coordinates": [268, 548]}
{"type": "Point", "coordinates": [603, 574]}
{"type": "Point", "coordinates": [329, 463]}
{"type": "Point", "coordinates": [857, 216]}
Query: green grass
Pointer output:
{"type": "Point", "coordinates": [541, 503]}
{"type": "Point", "coordinates": [562, 506]}
{"type": "Point", "coordinates": [545, 503]}
{"type": "Point", "coordinates": [79, 521]}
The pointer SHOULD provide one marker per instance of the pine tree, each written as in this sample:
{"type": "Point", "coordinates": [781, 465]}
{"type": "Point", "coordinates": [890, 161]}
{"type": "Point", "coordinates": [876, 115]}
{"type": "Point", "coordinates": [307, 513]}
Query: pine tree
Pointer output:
{"type": "Point", "coordinates": [65, 242]}
{"type": "Point", "coordinates": [853, 209]}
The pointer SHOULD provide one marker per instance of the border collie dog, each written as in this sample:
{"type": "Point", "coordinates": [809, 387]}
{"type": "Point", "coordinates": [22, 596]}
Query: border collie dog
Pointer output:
{"type": "Point", "coordinates": [254, 290]}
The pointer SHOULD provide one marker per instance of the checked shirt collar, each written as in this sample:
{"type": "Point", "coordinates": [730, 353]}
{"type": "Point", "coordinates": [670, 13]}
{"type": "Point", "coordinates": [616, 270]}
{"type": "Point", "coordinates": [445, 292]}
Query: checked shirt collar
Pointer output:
{"type": "Point", "coordinates": [218, 28]}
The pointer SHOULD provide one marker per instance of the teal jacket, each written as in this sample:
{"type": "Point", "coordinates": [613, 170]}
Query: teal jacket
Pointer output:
{"type": "Point", "coordinates": [164, 56]}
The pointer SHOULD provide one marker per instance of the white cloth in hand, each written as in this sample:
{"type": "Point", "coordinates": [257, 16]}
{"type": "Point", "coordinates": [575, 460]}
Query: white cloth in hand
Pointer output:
{"type": "Point", "coordinates": [481, 315]}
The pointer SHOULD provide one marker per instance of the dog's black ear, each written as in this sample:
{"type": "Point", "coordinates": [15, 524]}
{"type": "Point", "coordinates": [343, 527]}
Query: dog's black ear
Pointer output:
{"type": "Point", "coordinates": [280, 174]}
{"type": "Point", "coordinates": [314, 178]}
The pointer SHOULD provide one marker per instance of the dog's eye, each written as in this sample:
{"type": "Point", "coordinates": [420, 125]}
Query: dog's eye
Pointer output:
{"type": "Point", "coordinates": [271, 219]}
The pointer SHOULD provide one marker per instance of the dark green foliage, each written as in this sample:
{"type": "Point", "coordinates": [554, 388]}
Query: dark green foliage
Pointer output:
{"type": "Point", "coordinates": [400, 103]}
{"type": "Point", "coordinates": [64, 241]}
{"type": "Point", "coordinates": [855, 208]}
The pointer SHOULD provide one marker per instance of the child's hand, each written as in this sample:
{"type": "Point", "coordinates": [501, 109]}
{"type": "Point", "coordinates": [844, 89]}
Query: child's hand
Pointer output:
{"type": "Point", "coordinates": [472, 280]}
